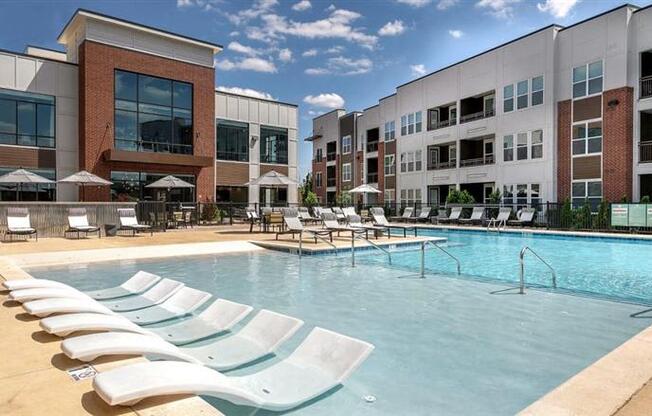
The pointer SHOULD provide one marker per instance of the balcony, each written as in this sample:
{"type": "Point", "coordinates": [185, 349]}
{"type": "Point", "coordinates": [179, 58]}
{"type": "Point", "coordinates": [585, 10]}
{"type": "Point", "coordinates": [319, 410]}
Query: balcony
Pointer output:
{"type": "Point", "coordinates": [452, 164]}
{"type": "Point", "coordinates": [477, 107]}
{"type": "Point", "coordinates": [372, 178]}
{"type": "Point", "coordinates": [372, 147]}
{"type": "Point", "coordinates": [490, 112]}
{"type": "Point", "coordinates": [485, 160]}
{"type": "Point", "coordinates": [434, 125]}
{"type": "Point", "coordinates": [645, 152]}
{"type": "Point", "coordinates": [646, 87]}
{"type": "Point", "coordinates": [331, 181]}
{"type": "Point", "coordinates": [331, 156]}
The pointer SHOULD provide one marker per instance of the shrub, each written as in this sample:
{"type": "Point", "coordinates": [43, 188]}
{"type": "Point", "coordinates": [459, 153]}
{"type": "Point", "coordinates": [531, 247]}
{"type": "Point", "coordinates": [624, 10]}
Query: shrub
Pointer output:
{"type": "Point", "coordinates": [566, 216]}
{"type": "Point", "coordinates": [583, 216]}
{"type": "Point", "coordinates": [601, 220]}
{"type": "Point", "coordinates": [343, 199]}
{"type": "Point", "coordinates": [645, 199]}
{"type": "Point", "coordinates": [310, 200]}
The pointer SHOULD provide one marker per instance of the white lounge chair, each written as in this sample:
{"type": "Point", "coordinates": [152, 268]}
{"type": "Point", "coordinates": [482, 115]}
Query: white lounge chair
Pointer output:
{"type": "Point", "coordinates": [219, 317]}
{"type": "Point", "coordinates": [407, 214]}
{"type": "Point", "coordinates": [349, 211]}
{"type": "Point", "coordinates": [18, 223]}
{"type": "Point", "coordinates": [135, 285]}
{"type": "Point", "coordinates": [182, 303]}
{"type": "Point", "coordinates": [475, 218]}
{"type": "Point", "coordinates": [454, 216]}
{"type": "Point", "coordinates": [378, 216]}
{"type": "Point", "coordinates": [46, 307]}
{"type": "Point", "coordinates": [27, 295]}
{"type": "Point", "coordinates": [294, 226]}
{"type": "Point", "coordinates": [153, 296]}
{"type": "Point", "coordinates": [331, 224]}
{"type": "Point", "coordinates": [129, 221]}
{"type": "Point", "coordinates": [322, 362]}
{"type": "Point", "coordinates": [259, 338]}
{"type": "Point", "coordinates": [17, 284]}
{"type": "Point", "coordinates": [78, 223]}
{"type": "Point", "coordinates": [501, 219]}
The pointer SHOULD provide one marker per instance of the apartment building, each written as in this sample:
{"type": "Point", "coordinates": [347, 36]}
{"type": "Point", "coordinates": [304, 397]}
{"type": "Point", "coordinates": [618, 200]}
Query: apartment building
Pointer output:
{"type": "Point", "coordinates": [132, 103]}
{"type": "Point", "coordinates": [560, 113]}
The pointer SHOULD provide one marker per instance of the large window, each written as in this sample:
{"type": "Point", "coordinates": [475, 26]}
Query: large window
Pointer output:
{"type": "Point", "coordinates": [590, 191]}
{"type": "Point", "coordinates": [29, 192]}
{"type": "Point", "coordinates": [587, 79]}
{"type": "Point", "coordinates": [526, 92]}
{"type": "Point", "coordinates": [587, 138]}
{"type": "Point", "coordinates": [346, 172]}
{"type": "Point", "coordinates": [152, 114]}
{"type": "Point", "coordinates": [233, 194]}
{"type": "Point", "coordinates": [389, 165]}
{"type": "Point", "coordinates": [411, 123]}
{"type": "Point", "coordinates": [273, 145]}
{"type": "Point", "coordinates": [232, 141]}
{"type": "Point", "coordinates": [130, 186]}
{"type": "Point", "coordinates": [346, 145]}
{"type": "Point", "coordinates": [26, 119]}
{"type": "Point", "coordinates": [508, 148]}
{"type": "Point", "coordinates": [390, 130]}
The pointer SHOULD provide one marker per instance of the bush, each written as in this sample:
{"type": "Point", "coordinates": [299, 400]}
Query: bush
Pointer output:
{"type": "Point", "coordinates": [645, 199]}
{"type": "Point", "coordinates": [211, 213]}
{"type": "Point", "coordinates": [343, 199]}
{"type": "Point", "coordinates": [601, 221]}
{"type": "Point", "coordinates": [459, 197]}
{"type": "Point", "coordinates": [583, 218]}
{"type": "Point", "coordinates": [310, 199]}
{"type": "Point", "coordinates": [566, 216]}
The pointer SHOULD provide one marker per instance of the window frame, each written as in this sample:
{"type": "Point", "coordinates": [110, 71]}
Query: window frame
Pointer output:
{"type": "Point", "coordinates": [282, 157]}
{"type": "Point", "coordinates": [586, 81]}
{"type": "Point", "coordinates": [38, 101]}
{"type": "Point", "coordinates": [347, 144]}
{"type": "Point", "coordinates": [389, 169]}
{"type": "Point", "coordinates": [346, 173]}
{"type": "Point", "coordinates": [233, 124]}
{"type": "Point", "coordinates": [508, 98]}
{"type": "Point", "coordinates": [586, 138]}
{"type": "Point", "coordinates": [507, 148]}
{"type": "Point", "coordinates": [520, 95]}
{"type": "Point", "coordinates": [533, 91]}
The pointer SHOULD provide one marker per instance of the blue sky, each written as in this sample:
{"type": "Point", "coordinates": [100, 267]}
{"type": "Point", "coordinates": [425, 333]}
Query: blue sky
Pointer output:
{"type": "Point", "coordinates": [320, 54]}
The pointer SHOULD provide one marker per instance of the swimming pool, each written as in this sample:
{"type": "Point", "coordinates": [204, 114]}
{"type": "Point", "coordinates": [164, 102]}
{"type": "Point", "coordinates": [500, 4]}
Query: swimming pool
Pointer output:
{"type": "Point", "coordinates": [443, 346]}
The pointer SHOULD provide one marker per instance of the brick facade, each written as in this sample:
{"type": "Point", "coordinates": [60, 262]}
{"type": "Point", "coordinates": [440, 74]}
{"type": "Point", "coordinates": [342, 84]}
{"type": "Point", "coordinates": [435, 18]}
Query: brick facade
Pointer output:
{"type": "Point", "coordinates": [617, 143]}
{"type": "Point", "coordinates": [320, 191]}
{"type": "Point", "coordinates": [563, 150]}
{"type": "Point", "coordinates": [381, 171]}
{"type": "Point", "coordinates": [97, 64]}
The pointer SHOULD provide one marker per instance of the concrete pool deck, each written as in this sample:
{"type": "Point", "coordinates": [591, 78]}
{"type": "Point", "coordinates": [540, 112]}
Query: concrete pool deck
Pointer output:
{"type": "Point", "coordinates": [33, 377]}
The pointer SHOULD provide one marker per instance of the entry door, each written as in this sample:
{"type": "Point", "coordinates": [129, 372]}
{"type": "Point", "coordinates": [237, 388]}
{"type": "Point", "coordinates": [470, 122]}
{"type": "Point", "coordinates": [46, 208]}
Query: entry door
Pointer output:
{"type": "Point", "coordinates": [488, 189]}
{"type": "Point", "coordinates": [488, 151]}
{"type": "Point", "coordinates": [433, 195]}
{"type": "Point", "coordinates": [434, 156]}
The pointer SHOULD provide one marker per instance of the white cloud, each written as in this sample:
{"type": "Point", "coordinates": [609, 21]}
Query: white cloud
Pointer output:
{"type": "Point", "coordinates": [499, 8]}
{"type": "Point", "coordinates": [247, 91]}
{"type": "Point", "coordinates": [240, 48]}
{"type": "Point", "coordinates": [206, 5]}
{"type": "Point", "coordinates": [418, 70]}
{"type": "Point", "coordinates": [317, 71]}
{"type": "Point", "coordinates": [339, 25]}
{"type": "Point", "coordinates": [557, 8]}
{"type": "Point", "coordinates": [446, 4]}
{"type": "Point", "coordinates": [327, 100]}
{"type": "Point", "coordinates": [414, 3]}
{"type": "Point", "coordinates": [301, 6]}
{"type": "Point", "coordinates": [310, 52]}
{"type": "Point", "coordinates": [456, 33]}
{"type": "Point", "coordinates": [335, 49]}
{"type": "Point", "coordinates": [184, 3]}
{"type": "Point", "coordinates": [259, 8]}
{"type": "Point", "coordinates": [285, 55]}
{"type": "Point", "coordinates": [234, 33]}
{"type": "Point", "coordinates": [247, 64]}
{"type": "Point", "coordinates": [341, 65]}
{"type": "Point", "coordinates": [392, 28]}
{"type": "Point", "coordinates": [330, 8]}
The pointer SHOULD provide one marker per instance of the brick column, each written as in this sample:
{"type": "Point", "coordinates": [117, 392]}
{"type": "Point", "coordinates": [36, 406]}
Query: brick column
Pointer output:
{"type": "Point", "coordinates": [563, 150]}
{"type": "Point", "coordinates": [617, 143]}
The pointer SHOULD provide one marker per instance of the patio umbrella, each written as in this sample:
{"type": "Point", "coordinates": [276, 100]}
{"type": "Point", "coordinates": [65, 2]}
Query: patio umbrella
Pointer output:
{"type": "Point", "coordinates": [364, 189]}
{"type": "Point", "coordinates": [272, 179]}
{"type": "Point", "coordinates": [83, 179]}
{"type": "Point", "coordinates": [21, 176]}
{"type": "Point", "coordinates": [170, 182]}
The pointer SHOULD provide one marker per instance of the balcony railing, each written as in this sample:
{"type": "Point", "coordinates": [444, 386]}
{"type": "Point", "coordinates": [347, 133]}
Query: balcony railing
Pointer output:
{"type": "Point", "coordinates": [331, 156]}
{"type": "Point", "coordinates": [646, 87]}
{"type": "Point", "coordinates": [477, 116]}
{"type": "Point", "coordinates": [486, 160]}
{"type": "Point", "coordinates": [452, 164]}
{"type": "Point", "coordinates": [331, 181]}
{"type": "Point", "coordinates": [441, 124]}
{"type": "Point", "coordinates": [372, 147]}
{"type": "Point", "coordinates": [236, 156]}
{"type": "Point", "coordinates": [645, 152]}
{"type": "Point", "coordinates": [372, 178]}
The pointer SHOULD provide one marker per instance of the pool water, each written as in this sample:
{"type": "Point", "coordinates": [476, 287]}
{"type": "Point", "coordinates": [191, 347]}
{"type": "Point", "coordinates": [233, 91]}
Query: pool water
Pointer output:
{"type": "Point", "coordinates": [444, 346]}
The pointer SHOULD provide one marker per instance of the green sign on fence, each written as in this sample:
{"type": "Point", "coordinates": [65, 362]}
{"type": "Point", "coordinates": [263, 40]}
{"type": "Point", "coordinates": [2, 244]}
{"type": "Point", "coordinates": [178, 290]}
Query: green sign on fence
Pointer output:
{"type": "Point", "coordinates": [619, 215]}
{"type": "Point", "coordinates": [631, 215]}
{"type": "Point", "coordinates": [637, 215]}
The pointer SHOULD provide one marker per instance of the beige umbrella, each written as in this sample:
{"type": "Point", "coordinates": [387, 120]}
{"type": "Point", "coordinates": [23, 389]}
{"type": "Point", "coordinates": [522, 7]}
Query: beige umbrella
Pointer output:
{"type": "Point", "coordinates": [364, 189]}
{"type": "Point", "coordinates": [83, 179]}
{"type": "Point", "coordinates": [21, 176]}
{"type": "Point", "coordinates": [272, 179]}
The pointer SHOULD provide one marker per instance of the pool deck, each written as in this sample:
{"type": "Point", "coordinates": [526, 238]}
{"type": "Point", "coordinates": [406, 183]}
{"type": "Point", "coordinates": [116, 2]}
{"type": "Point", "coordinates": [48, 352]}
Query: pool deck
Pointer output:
{"type": "Point", "coordinates": [33, 377]}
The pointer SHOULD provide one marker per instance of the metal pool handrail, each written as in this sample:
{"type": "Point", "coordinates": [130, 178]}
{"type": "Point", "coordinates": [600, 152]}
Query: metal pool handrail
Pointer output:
{"type": "Point", "coordinates": [522, 263]}
{"type": "Point", "coordinates": [423, 257]}
{"type": "Point", "coordinates": [354, 237]}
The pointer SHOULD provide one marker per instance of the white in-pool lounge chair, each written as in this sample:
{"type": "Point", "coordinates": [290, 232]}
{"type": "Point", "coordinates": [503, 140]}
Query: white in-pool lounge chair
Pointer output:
{"type": "Point", "coordinates": [17, 284]}
{"type": "Point", "coordinates": [182, 303]}
{"type": "Point", "coordinates": [259, 338]}
{"type": "Point", "coordinates": [129, 221]}
{"type": "Point", "coordinates": [78, 223]}
{"type": "Point", "coordinates": [355, 221]}
{"type": "Point", "coordinates": [422, 216]}
{"type": "Point", "coordinates": [153, 296]}
{"type": "Point", "coordinates": [219, 317]}
{"type": "Point", "coordinates": [323, 361]}
{"type": "Point", "coordinates": [18, 223]}
{"type": "Point", "coordinates": [46, 307]}
{"type": "Point", "coordinates": [27, 295]}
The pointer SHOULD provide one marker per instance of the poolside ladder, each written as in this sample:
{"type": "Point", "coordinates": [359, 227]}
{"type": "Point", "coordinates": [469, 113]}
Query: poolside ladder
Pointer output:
{"type": "Point", "coordinates": [423, 257]}
{"type": "Point", "coordinates": [522, 263]}
{"type": "Point", "coordinates": [371, 243]}
{"type": "Point", "coordinates": [315, 236]}
{"type": "Point", "coordinates": [496, 225]}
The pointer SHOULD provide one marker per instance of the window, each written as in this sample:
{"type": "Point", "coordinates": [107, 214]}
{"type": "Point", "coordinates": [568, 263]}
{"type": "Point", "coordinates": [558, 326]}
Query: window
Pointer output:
{"type": "Point", "coordinates": [233, 141]}
{"type": "Point", "coordinates": [537, 90]}
{"type": "Point", "coordinates": [411, 123]}
{"type": "Point", "coordinates": [346, 172]}
{"type": "Point", "coordinates": [131, 186]}
{"type": "Point", "coordinates": [590, 191]}
{"type": "Point", "coordinates": [410, 161]}
{"type": "Point", "coordinates": [417, 196]}
{"type": "Point", "coordinates": [390, 196]}
{"type": "Point", "coordinates": [508, 98]}
{"type": "Point", "coordinates": [273, 145]}
{"type": "Point", "coordinates": [521, 146]}
{"type": "Point", "coordinates": [587, 79]}
{"type": "Point", "coordinates": [410, 196]}
{"type": "Point", "coordinates": [587, 138]}
{"type": "Point", "coordinates": [417, 160]}
{"type": "Point", "coordinates": [389, 165]}
{"type": "Point", "coordinates": [232, 194]}
{"type": "Point", "coordinates": [403, 162]}
{"type": "Point", "coordinates": [390, 133]}
{"type": "Point", "coordinates": [536, 144]}
{"type": "Point", "coordinates": [318, 178]}
{"type": "Point", "coordinates": [319, 155]}
{"type": "Point", "coordinates": [522, 194]}
{"type": "Point", "coordinates": [508, 148]}
{"type": "Point", "coordinates": [521, 94]}
{"type": "Point", "coordinates": [26, 119]}
{"type": "Point", "coordinates": [508, 194]}
{"type": "Point", "coordinates": [346, 144]}
{"type": "Point", "coordinates": [152, 114]}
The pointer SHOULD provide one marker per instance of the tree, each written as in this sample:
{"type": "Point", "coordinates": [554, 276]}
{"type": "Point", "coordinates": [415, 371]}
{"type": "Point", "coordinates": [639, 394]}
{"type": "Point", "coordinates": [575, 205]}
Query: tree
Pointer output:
{"type": "Point", "coordinates": [343, 199]}
{"type": "Point", "coordinates": [566, 216]}
{"type": "Point", "coordinates": [305, 188]}
{"type": "Point", "coordinates": [601, 221]}
{"type": "Point", "coordinates": [310, 199]}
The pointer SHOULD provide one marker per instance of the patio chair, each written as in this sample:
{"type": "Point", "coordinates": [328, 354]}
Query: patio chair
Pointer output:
{"type": "Point", "coordinates": [501, 219]}
{"type": "Point", "coordinates": [78, 223]}
{"type": "Point", "coordinates": [259, 338]}
{"type": "Point", "coordinates": [18, 223]}
{"type": "Point", "coordinates": [294, 226]}
{"type": "Point", "coordinates": [423, 216]}
{"type": "Point", "coordinates": [378, 215]}
{"type": "Point", "coordinates": [331, 223]}
{"type": "Point", "coordinates": [441, 215]}
{"type": "Point", "coordinates": [349, 211]}
{"type": "Point", "coordinates": [475, 218]}
{"type": "Point", "coordinates": [407, 214]}
{"type": "Point", "coordinates": [355, 221]}
{"type": "Point", "coordinates": [129, 221]}
{"type": "Point", "coordinates": [524, 217]}
{"type": "Point", "coordinates": [454, 216]}
{"type": "Point", "coordinates": [253, 218]}
{"type": "Point", "coordinates": [304, 215]}
{"type": "Point", "coordinates": [323, 361]}
{"type": "Point", "coordinates": [339, 213]}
